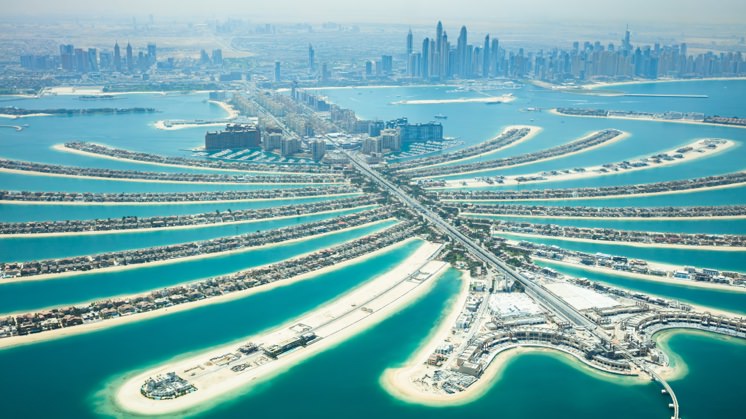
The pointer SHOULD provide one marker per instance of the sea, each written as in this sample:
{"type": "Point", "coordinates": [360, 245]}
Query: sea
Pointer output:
{"type": "Point", "coordinates": [76, 377]}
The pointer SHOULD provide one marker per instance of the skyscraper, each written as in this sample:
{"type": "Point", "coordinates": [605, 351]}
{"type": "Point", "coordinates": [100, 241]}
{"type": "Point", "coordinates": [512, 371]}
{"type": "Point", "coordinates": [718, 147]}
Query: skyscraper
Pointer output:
{"type": "Point", "coordinates": [425, 65]}
{"type": "Point", "coordinates": [461, 54]}
{"type": "Point", "coordinates": [486, 57]}
{"type": "Point", "coordinates": [409, 43]}
{"type": "Point", "coordinates": [217, 56]}
{"type": "Point", "coordinates": [117, 57]}
{"type": "Point", "coordinates": [130, 58]}
{"type": "Point", "coordinates": [439, 36]}
{"type": "Point", "coordinates": [278, 74]}
{"type": "Point", "coordinates": [495, 56]}
{"type": "Point", "coordinates": [311, 59]}
{"type": "Point", "coordinates": [92, 59]}
{"type": "Point", "coordinates": [152, 55]}
{"type": "Point", "coordinates": [67, 57]}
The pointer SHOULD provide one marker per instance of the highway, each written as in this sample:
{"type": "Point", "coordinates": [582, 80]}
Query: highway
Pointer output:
{"type": "Point", "coordinates": [542, 295]}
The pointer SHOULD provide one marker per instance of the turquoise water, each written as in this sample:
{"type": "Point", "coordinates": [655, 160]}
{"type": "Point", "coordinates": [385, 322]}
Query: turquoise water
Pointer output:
{"type": "Point", "coordinates": [344, 381]}
{"type": "Point", "coordinates": [729, 301]}
{"type": "Point", "coordinates": [34, 295]}
{"type": "Point", "coordinates": [729, 261]}
{"type": "Point", "coordinates": [704, 225]}
{"type": "Point", "coordinates": [31, 248]}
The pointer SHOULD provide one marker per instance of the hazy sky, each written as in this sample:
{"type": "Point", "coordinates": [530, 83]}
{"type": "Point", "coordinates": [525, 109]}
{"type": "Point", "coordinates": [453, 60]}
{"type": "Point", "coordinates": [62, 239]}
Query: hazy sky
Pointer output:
{"type": "Point", "coordinates": [404, 11]}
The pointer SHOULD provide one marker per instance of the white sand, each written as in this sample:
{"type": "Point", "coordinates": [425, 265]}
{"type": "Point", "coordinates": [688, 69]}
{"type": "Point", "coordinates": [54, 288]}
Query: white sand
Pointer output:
{"type": "Point", "coordinates": [221, 201]}
{"type": "Point", "coordinates": [582, 198]}
{"type": "Point", "coordinates": [534, 131]}
{"type": "Point", "coordinates": [118, 321]}
{"type": "Point", "coordinates": [699, 152]}
{"type": "Point", "coordinates": [619, 137]}
{"type": "Point", "coordinates": [190, 182]}
{"type": "Point", "coordinates": [31, 115]}
{"type": "Point", "coordinates": [334, 323]}
{"type": "Point", "coordinates": [180, 227]}
{"type": "Point", "coordinates": [493, 99]}
{"type": "Point", "coordinates": [633, 244]}
{"type": "Point", "coordinates": [182, 259]}
{"type": "Point", "coordinates": [62, 148]}
{"type": "Point", "coordinates": [646, 277]}
{"type": "Point", "coordinates": [649, 119]}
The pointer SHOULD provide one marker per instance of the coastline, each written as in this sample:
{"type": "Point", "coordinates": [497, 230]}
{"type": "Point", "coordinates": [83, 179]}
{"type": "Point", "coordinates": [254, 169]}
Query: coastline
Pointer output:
{"type": "Point", "coordinates": [598, 85]}
{"type": "Point", "coordinates": [631, 244]}
{"type": "Point", "coordinates": [53, 276]}
{"type": "Point", "coordinates": [129, 399]}
{"type": "Point", "coordinates": [15, 341]}
{"type": "Point", "coordinates": [62, 148]}
{"type": "Point", "coordinates": [146, 203]}
{"type": "Point", "coordinates": [31, 115]}
{"type": "Point", "coordinates": [185, 182]}
{"type": "Point", "coordinates": [569, 217]}
{"type": "Point", "coordinates": [583, 198]}
{"type": "Point", "coordinates": [230, 110]}
{"type": "Point", "coordinates": [534, 131]}
{"type": "Point", "coordinates": [644, 277]}
{"type": "Point", "coordinates": [554, 111]}
{"type": "Point", "coordinates": [492, 99]}
{"type": "Point", "coordinates": [181, 227]}
{"type": "Point", "coordinates": [622, 136]}
{"type": "Point", "coordinates": [595, 171]}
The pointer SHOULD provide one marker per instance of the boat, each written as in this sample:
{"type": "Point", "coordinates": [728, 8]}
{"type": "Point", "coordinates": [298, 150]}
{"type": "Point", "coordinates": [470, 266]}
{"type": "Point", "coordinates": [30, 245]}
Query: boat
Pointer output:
{"type": "Point", "coordinates": [441, 116]}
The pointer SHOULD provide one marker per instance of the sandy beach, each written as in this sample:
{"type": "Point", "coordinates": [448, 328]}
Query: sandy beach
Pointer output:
{"type": "Point", "coordinates": [599, 85]}
{"type": "Point", "coordinates": [632, 244]}
{"type": "Point", "coordinates": [620, 137]}
{"type": "Point", "coordinates": [62, 148]}
{"type": "Point", "coordinates": [583, 198]}
{"type": "Point", "coordinates": [31, 115]}
{"type": "Point", "coordinates": [118, 321]}
{"type": "Point", "coordinates": [492, 99]}
{"type": "Point", "coordinates": [220, 201]}
{"type": "Point", "coordinates": [337, 323]}
{"type": "Point", "coordinates": [398, 382]}
{"type": "Point", "coordinates": [118, 179]}
{"type": "Point", "coordinates": [534, 131]}
{"type": "Point", "coordinates": [648, 119]}
{"type": "Point", "coordinates": [230, 110]}
{"type": "Point", "coordinates": [598, 170]}
{"type": "Point", "coordinates": [180, 227]}
{"type": "Point", "coordinates": [60, 275]}
{"type": "Point", "coordinates": [566, 217]}
{"type": "Point", "coordinates": [645, 277]}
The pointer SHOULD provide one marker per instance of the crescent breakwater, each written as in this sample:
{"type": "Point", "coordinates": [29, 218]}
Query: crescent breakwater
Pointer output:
{"type": "Point", "coordinates": [511, 136]}
{"type": "Point", "coordinates": [128, 259]}
{"type": "Point", "coordinates": [587, 143]}
{"type": "Point", "coordinates": [207, 219]}
{"type": "Point", "coordinates": [56, 322]}
{"type": "Point", "coordinates": [13, 112]}
{"type": "Point", "coordinates": [623, 213]}
{"type": "Point", "coordinates": [721, 242]}
{"type": "Point", "coordinates": [638, 268]}
{"type": "Point", "coordinates": [24, 167]}
{"type": "Point", "coordinates": [172, 198]}
{"type": "Point", "coordinates": [674, 186]}
{"type": "Point", "coordinates": [103, 151]}
{"type": "Point", "coordinates": [679, 117]}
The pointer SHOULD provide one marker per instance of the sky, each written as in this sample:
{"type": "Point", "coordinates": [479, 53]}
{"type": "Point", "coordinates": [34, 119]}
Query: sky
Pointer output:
{"type": "Point", "coordinates": [402, 11]}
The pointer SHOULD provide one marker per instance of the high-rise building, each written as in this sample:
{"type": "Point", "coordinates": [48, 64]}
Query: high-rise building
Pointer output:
{"type": "Point", "coordinates": [289, 146]}
{"type": "Point", "coordinates": [272, 140]}
{"type": "Point", "coordinates": [387, 64]}
{"type": "Point", "coordinates": [368, 68]}
{"type": "Point", "coordinates": [67, 57]}
{"type": "Point", "coordinates": [130, 58]}
{"type": "Point", "coordinates": [81, 60]}
{"type": "Point", "coordinates": [372, 145]}
{"type": "Point", "coordinates": [311, 59]}
{"type": "Point", "coordinates": [409, 43]}
{"type": "Point", "coordinates": [486, 57]}
{"type": "Point", "coordinates": [409, 133]}
{"type": "Point", "coordinates": [152, 54]}
{"type": "Point", "coordinates": [495, 56]}
{"type": "Point", "coordinates": [235, 136]}
{"type": "Point", "coordinates": [390, 140]}
{"type": "Point", "coordinates": [318, 149]}
{"type": "Point", "coordinates": [425, 61]}
{"type": "Point", "coordinates": [217, 56]}
{"type": "Point", "coordinates": [92, 59]}
{"type": "Point", "coordinates": [117, 57]}
{"type": "Point", "coordinates": [461, 54]}
{"type": "Point", "coordinates": [278, 72]}
{"type": "Point", "coordinates": [439, 36]}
